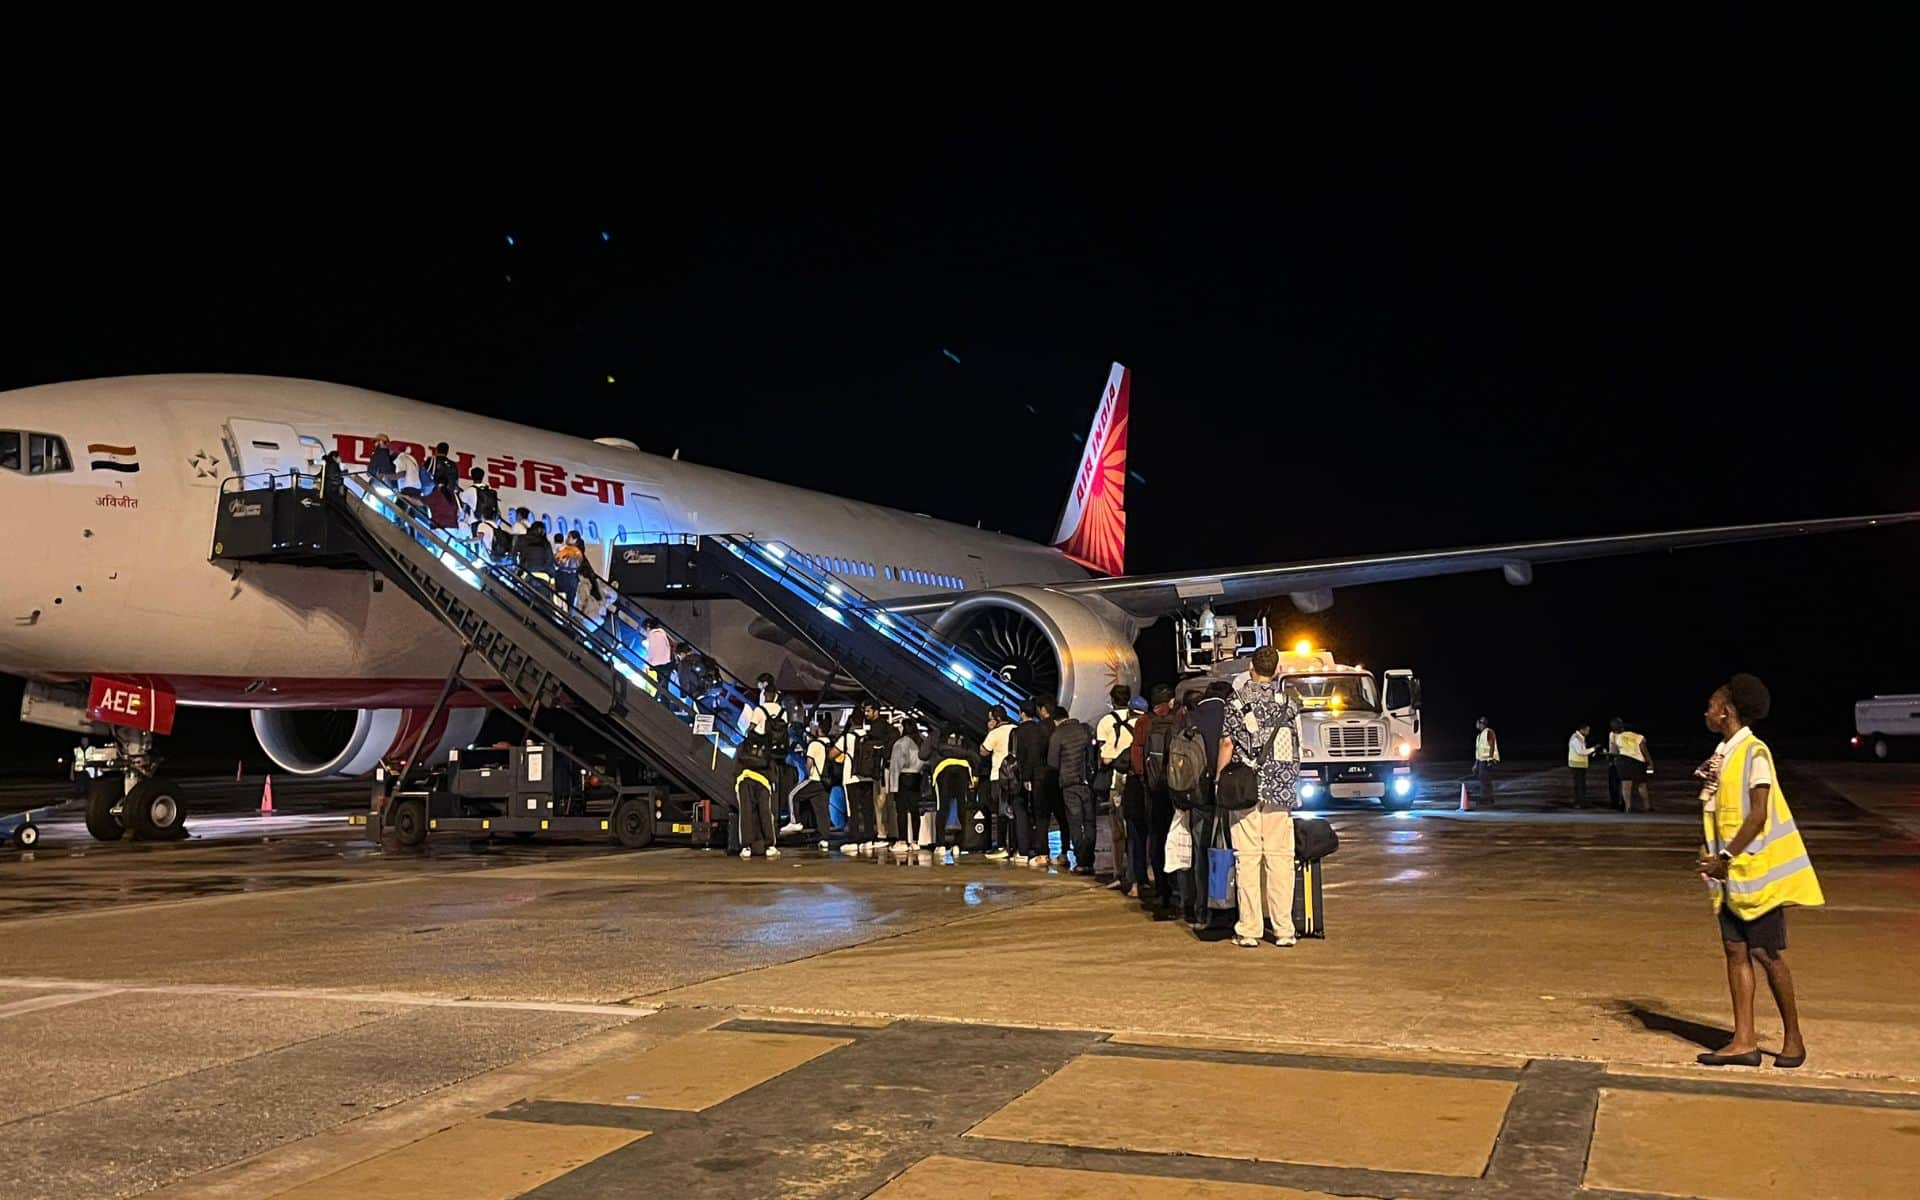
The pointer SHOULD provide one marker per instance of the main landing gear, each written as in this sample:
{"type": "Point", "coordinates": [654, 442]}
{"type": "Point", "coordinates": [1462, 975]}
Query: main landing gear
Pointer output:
{"type": "Point", "coordinates": [126, 794]}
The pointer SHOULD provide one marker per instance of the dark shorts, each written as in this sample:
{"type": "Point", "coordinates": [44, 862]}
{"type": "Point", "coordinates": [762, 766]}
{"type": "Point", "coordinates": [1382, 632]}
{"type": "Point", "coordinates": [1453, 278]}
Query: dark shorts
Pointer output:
{"type": "Point", "coordinates": [1768, 931]}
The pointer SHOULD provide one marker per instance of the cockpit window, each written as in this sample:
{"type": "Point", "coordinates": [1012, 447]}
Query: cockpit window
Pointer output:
{"type": "Point", "coordinates": [9, 450]}
{"type": "Point", "coordinates": [46, 454]}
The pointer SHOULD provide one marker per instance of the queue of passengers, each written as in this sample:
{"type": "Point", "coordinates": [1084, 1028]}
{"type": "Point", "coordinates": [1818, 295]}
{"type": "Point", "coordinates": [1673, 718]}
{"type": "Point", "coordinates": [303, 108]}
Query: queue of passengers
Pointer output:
{"type": "Point", "coordinates": [1164, 782]}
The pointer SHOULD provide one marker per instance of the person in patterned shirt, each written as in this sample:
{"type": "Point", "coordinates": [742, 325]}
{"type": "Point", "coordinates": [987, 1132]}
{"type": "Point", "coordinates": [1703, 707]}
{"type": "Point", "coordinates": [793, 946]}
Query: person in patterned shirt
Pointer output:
{"type": "Point", "coordinates": [1259, 732]}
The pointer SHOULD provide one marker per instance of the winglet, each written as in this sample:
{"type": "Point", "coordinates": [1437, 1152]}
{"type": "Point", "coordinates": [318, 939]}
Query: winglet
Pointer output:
{"type": "Point", "coordinates": [1093, 528]}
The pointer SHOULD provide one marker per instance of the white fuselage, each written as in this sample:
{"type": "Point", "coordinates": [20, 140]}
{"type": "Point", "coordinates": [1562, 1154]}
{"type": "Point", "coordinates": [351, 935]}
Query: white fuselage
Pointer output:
{"type": "Point", "coordinates": [108, 569]}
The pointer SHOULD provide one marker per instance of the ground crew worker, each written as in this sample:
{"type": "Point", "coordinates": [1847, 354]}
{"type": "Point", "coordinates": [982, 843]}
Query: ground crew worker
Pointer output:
{"type": "Point", "coordinates": [1578, 757]}
{"type": "Point", "coordinates": [753, 794]}
{"type": "Point", "coordinates": [1486, 753]}
{"type": "Point", "coordinates": [1635, 763]}
{"type": "Point", "coordinates": [1113, 740]}
{"type": "Point", "coordinates": [1756, 864]}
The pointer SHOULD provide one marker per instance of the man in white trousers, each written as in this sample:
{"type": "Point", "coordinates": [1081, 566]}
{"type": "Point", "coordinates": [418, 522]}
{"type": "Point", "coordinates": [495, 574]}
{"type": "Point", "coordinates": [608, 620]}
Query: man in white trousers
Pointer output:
{"type": "Point", "coordinates": [1259, 732]}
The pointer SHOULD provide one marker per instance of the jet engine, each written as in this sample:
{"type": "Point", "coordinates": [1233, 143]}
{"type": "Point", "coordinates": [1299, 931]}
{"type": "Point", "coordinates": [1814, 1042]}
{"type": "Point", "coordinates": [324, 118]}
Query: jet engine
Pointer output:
{"type": "Point", "coordinates": [1048, 644]}
{"type": "Point", "coordinates": [354, 741]}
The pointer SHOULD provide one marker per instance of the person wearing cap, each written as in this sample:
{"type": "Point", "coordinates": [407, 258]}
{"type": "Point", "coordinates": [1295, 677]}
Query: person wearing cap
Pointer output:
{"type": "Point", "coordinates": [1486, 754]}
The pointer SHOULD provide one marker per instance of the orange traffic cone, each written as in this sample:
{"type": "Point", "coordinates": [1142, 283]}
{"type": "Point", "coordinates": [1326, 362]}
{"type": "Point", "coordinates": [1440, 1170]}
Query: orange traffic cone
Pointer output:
{"type": "Point", "coordinates": [266, 798]}
{"type": "Point", "coordinates": [1464, 806]}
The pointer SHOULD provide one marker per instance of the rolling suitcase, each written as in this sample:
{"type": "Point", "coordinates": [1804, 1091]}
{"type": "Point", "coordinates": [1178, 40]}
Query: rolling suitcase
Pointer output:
{"type": "Point", "coordinates": [976, 823]}
{"type": "Point", "coordinates": [1309, 919]}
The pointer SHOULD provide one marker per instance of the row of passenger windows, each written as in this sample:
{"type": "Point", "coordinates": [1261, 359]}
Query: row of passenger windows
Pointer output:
{"type": "Point", "coordinates": [45, 452]}
{"type": "Point", "coordinates": [853, 566]}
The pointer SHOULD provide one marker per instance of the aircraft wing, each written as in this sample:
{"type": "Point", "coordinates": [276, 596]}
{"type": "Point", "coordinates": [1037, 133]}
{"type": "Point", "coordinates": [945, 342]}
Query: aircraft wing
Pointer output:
{"type": "Point", "coordinates": [1311, 584]}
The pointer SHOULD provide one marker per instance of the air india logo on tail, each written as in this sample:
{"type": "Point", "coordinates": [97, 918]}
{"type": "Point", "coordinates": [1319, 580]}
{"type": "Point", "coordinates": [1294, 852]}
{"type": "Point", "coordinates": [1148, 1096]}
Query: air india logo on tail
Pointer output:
{"type": "Point", "coordinates": [1093, 529]}
{"type": "Point", "coordinates": [114, 458]}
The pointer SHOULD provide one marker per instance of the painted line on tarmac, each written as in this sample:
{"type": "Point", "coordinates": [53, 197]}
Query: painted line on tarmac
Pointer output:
{"type": "Point", "coordinates": [93, 990]}
{"type": "Point", "coordinates": [59, 999]}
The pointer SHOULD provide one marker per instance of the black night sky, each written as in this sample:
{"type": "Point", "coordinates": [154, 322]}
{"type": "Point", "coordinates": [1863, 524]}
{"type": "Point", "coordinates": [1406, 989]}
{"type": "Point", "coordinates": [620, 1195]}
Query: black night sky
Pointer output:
{"type": "Point", "coordinates": [1366, 312]}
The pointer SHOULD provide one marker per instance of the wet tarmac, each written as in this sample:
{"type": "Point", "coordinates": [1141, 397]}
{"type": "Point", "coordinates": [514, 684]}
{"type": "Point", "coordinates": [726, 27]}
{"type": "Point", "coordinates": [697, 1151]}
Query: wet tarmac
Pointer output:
{"type": "Point", "coordinates": [277, 998]}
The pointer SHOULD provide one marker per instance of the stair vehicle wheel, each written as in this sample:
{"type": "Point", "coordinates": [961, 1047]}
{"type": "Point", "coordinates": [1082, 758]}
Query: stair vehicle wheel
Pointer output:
{"type": "Point", "coordinates": [408, 820]}
{"type": "Point", "coordinates": [27, 836]}
{"type": "Point", "coordinates": [102, 795]}
{"type": "Point", "coordinates": [633, 822]}
{"type": "Point", "coordinates": [1882, 749]}
{"type": "Point", "coordinates": [156, 810]}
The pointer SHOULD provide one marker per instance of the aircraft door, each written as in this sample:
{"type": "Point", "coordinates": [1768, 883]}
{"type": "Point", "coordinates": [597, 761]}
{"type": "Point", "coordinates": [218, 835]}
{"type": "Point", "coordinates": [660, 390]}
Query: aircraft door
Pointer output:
{"type": "Point", "coordinates": [260, 451]}
{"type": "Point", "coordinates": [647, 518]}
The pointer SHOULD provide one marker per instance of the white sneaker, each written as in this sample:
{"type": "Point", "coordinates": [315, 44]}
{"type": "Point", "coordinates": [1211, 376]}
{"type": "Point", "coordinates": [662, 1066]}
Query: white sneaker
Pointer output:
{"type": "Point", "coordinates": [1244, 941]}
{"type": "Point", "coordinates": [1017, 860]}
{"type": "Point", "coordinates": [825, 846]}
{"type": "Point", "coordinates": [746, 852]}
{"type": "Point", "coordinates": [1283, 943]}
{"type": "Point", "coordinates": [1001, 855]}
{"type": "Point", "coordinates": [773, 852]}
{"type": "Point", "coordinates": [1041, 861]}
{"type": "Point", "coordinates": [792, 827]}
{"type": "Point", "coordinates": [901, 848]}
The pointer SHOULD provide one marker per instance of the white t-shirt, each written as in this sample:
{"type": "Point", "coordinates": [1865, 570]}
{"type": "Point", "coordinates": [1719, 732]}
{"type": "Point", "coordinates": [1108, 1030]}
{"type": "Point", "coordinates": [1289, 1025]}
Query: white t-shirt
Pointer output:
{"type": "Point", "coordinates": [817, 758]}
{"type": "Point", "coordinates": [753, 718]}
{"type": "Point", "coordinates": [1114, 736]}
{"type": "Point", "coordinates": [998, 741]}
{"type": "Point", "coordinates": [659, 648]}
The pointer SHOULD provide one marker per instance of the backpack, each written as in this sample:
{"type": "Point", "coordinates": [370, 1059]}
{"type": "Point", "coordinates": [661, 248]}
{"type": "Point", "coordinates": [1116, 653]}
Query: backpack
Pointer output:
{"type": "Point", "coordinates": [1186, 761]}
{"type": "Point", "coordinates": [1239, 787]}
{"type": "Point", "coordinates": [876, 752]}
{"type": "Point", "coordinates": [776, 721]}
{"type": "Point", "coordinates": [486, 504]}
{"type": "Point", "coordinates": [1123, 724]}
{"type": "Point", "coordinates": [833, 771]}
{"type": "Point", "coordinates": [1159, 743]}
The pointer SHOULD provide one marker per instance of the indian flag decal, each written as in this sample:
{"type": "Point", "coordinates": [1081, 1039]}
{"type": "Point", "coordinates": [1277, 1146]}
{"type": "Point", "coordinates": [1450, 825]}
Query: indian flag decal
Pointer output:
{"type": "Point", "coordinates": [113, 458]}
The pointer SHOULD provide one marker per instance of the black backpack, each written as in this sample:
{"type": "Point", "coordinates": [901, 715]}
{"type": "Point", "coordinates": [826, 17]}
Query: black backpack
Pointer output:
{"type": "Point", "coordinates": [833, 771]}
{"type": "Point", "coordinates": [876, 751]}
{"type": "Point", "coordinates": [502, 542]}
{"type": "Point", "coordinates": [486, 504]}
{"type": "Point", "coordinates": [776, 720]}
{"type": "Point", "coordinates": [1159, 744]}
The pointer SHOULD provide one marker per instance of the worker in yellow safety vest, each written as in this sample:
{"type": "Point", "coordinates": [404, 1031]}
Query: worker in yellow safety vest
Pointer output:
{"type": "Point", "coordinates": [1486, 752]}
{"type": "Point", "coordinates": [1579, 757]}
{"type": "Point", "coordinates": [1757, 866]}
{"type": "Point", "coordinates": [1633, 763]}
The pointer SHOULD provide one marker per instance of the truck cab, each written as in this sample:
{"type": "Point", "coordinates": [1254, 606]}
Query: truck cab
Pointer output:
{"type": "Point", "coordinates": [1358, 734]}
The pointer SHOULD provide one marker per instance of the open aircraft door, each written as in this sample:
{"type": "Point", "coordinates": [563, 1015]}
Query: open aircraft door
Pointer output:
{"type": "Point", "coordinates": [260, 450]}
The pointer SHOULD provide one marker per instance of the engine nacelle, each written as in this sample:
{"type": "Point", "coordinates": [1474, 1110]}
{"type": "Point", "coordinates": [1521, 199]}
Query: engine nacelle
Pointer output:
{"type": "Point", "coordinates": [354, 741]}
{"type": "Point", "coordinates": [1048, 643]}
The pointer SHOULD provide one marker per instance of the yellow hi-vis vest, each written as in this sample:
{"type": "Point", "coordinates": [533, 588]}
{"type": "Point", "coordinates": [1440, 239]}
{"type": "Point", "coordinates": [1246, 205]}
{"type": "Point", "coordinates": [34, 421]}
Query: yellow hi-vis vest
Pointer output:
{"type": "Point", "coordinates": [1631, 744]}
{"type": "Point", "coordinates": [1577, 757]}
{"type": "Point", "coordinates": [1772, 870]}
{"type": "Point", "coordinates": [1484, 747]}
{"type": "Point", "coordinates": [745, 774]}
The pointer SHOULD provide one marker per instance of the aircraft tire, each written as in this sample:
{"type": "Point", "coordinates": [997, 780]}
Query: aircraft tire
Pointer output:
{"type": "Point", "coordinates": [156, 810]}
{"type": "Point", "coordinates": [102, 795]}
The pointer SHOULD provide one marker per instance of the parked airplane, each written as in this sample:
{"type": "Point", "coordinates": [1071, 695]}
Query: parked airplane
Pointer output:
{"type": "Point", "coordinates": [114, 483]}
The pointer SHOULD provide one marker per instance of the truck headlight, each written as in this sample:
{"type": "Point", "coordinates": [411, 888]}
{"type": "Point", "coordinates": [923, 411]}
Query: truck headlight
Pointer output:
{"type": "Point", "coordinates": [1309, 790]}
{"type": "Point", "coordinates": [1406, 750]}
{"type": "Point", "coordinates": [1402, 786]}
